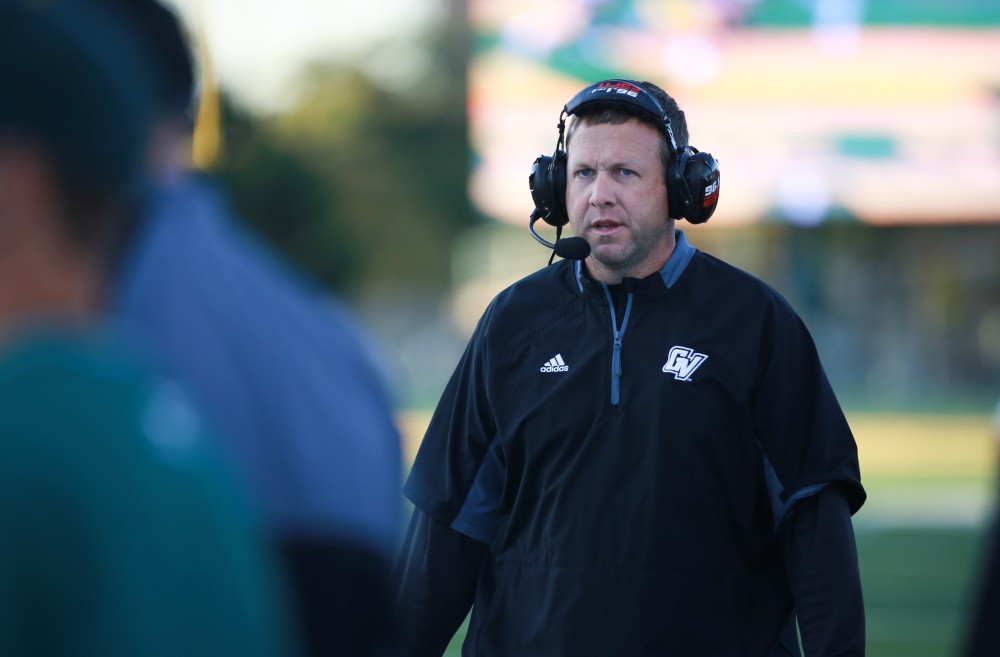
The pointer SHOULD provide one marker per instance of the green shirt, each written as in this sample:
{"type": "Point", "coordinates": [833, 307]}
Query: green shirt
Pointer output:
{"type": "Point", "coordinates": [119, 533]}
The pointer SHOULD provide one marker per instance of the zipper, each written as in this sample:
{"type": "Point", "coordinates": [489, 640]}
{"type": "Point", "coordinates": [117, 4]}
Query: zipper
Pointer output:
{"type": "Point", "coordinates": [616, 350]}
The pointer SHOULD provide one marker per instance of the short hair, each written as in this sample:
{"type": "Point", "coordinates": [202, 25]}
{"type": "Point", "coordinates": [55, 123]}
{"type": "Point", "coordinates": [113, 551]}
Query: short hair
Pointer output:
{"type": "Point", "coordinates": [75, 84]}
{"type": "Point", "coordinates": [619, 115]}
{"type": "Point", "coordinates": [162, 31]}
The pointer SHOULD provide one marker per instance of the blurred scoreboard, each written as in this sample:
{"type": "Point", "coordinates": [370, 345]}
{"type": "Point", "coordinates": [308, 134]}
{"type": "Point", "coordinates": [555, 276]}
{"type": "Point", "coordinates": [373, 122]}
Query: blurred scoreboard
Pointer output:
{"type": "Point", "coordinates": [817, 111]}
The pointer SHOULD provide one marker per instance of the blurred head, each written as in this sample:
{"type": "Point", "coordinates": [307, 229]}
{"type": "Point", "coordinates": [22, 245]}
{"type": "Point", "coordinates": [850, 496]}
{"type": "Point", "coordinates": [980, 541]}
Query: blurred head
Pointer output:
{"type": "Point", "coordinates": [160, 28]}
{"type": "Point", "coordinates": [75, 114]}
{"type": "Point", "coordinates": [174, 85]}
{"type": "Point", "coordinates": [616, 191]}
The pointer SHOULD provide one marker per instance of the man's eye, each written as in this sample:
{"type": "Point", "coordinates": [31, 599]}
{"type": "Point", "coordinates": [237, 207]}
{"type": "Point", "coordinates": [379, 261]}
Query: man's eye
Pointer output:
{"type": "Point", "coordinates": [628, 172]}
{"type": "Point", "coordinates": [584, 173]}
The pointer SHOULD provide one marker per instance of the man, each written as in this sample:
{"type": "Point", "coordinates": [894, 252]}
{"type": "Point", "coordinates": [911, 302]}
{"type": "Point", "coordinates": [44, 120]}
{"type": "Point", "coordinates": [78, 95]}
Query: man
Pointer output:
{"type": "Point", "coordinates": [121, 535]}
{"type": "Point", "coordinates": [639, 452]}
{"type": "Point", "coordinates": [303, 413]}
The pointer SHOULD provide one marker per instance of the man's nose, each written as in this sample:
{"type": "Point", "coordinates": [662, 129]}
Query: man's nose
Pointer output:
{"type": "Point", "coordinates": [601, 192]}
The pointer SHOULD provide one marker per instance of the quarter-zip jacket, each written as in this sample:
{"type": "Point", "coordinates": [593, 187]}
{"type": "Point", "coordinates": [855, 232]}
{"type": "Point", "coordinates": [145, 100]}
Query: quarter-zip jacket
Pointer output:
{"type": "Point", "coordinates": [617, 332]}
{"type": "Point", "coordinates": [644, 481]}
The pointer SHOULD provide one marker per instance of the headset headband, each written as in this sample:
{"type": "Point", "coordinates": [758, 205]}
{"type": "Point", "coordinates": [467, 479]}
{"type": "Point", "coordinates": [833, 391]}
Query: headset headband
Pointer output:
{"type": "Point", "coordinates": [622, 95]}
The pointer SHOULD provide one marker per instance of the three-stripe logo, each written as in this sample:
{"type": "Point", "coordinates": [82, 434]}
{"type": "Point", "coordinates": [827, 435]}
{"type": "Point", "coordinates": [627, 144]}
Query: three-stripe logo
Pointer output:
{"type": "Point", "coordinates": [555, 364]}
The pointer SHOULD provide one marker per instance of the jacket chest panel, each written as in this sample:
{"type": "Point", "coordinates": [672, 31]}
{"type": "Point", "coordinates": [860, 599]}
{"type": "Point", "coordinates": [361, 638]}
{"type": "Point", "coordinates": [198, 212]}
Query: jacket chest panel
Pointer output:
{"type": "Point", "coordinates": [558, 385]}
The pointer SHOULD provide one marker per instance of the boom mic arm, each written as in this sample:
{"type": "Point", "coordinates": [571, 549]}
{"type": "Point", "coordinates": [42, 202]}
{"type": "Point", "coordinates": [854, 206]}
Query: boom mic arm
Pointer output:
{"type": "Point", "coordinates": [535, 216]}
{"type": "Point", "coordinates": [569, 248]}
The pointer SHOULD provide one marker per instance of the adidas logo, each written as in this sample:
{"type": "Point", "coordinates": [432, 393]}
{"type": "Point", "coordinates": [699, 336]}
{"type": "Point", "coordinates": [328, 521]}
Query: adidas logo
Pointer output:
{"type": "Point", "coordinates": [556, 364]}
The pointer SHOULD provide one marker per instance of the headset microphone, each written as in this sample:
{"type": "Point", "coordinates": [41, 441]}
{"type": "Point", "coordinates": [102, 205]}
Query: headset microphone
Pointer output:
{"type": "Point", "coordinates": [572, 248]}
{"type": "Point", "coordinates": [568, 248]}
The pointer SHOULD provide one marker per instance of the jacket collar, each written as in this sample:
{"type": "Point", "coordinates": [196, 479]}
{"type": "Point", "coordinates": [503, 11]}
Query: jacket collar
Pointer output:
{"type": "Point", "coordinates": [668, 274]}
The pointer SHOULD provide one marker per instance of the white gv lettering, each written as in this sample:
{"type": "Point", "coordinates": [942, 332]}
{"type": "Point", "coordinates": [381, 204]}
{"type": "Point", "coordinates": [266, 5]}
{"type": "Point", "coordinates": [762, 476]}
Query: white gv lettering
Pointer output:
{"type": "Point", "coordinates": [682, 362]}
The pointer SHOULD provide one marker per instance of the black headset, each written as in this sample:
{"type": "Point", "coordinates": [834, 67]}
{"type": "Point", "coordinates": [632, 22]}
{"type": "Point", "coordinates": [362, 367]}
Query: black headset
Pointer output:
{"type": "Point", "coordinates": [692, 177]}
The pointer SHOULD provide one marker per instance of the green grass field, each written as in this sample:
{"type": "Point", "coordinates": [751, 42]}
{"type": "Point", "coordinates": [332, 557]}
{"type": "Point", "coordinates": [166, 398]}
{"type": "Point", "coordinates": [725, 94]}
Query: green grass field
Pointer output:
{"type": "Point", "coordinates": [917, 585]}
{"type": "Point", "coordinates": [931, 482]}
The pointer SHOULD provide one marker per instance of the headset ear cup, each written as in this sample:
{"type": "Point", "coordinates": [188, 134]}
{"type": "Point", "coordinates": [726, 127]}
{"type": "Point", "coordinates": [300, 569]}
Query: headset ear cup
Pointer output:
{"type": "Point", "coordinates": [547, 182]}
{"type": "Point", "coordinates": [702, 179]}
{"type": "Point", "coordinates": [557, 177]}
{"type": "Point", "coordinates": [678, 194]}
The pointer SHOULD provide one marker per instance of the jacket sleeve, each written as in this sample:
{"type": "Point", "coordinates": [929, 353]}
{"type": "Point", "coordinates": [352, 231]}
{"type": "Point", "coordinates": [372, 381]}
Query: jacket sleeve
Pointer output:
{"type": "Point", "coordinates": [806, 441]}
{"type": "Point", "coordinates": [435, 584]}
{"type": "Point", "coordinates": [458, 437]}
{"type": "Point", "coordinates": [439, 565]}
{"type": "Point", "coordinates": [821, 557]}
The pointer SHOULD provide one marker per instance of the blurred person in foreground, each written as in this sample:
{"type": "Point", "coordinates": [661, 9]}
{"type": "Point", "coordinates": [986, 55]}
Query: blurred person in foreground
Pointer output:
{"type": "Point", "coordinates": [982, 638]}
{"type": "Point", "coordinates": [639, 452]}
{"type": "Point", "coordinates": [120, 533]}
{"type": "Point", "coordinates": [281, 369]}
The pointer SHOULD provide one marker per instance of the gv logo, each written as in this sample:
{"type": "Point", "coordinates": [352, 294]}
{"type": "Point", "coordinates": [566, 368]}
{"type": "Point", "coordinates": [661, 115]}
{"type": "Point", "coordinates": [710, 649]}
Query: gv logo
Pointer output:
{"type": "Point", "coordinates": [682, 362]}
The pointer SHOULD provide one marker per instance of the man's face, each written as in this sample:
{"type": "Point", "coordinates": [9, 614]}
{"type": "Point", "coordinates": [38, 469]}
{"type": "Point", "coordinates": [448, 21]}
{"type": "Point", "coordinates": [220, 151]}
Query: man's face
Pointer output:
{"type": "Point", "coordinates": [617, 200]}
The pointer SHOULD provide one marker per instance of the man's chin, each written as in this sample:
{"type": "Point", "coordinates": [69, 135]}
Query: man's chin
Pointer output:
{"type": "Point", "coordinates": [609, 255]}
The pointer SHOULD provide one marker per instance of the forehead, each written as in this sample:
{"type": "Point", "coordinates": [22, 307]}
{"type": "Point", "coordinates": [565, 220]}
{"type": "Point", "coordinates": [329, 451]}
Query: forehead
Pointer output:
{"type": "Point", "coordinates": [632, 140]}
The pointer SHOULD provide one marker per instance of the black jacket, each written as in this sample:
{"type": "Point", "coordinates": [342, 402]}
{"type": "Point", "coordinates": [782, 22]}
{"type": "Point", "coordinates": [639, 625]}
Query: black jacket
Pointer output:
{"type": "Point", "coordinates": [631, 471]}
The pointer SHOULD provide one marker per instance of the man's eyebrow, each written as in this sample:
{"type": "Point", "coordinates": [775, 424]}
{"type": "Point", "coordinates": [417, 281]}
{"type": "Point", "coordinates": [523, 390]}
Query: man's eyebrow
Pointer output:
{"type": "Point", "coordinates": [621, 163]}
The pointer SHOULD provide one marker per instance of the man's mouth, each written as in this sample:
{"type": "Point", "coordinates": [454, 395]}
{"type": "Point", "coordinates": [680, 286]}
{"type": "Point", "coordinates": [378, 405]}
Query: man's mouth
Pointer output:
{"type": "Point", "coordinates": [604, 226]}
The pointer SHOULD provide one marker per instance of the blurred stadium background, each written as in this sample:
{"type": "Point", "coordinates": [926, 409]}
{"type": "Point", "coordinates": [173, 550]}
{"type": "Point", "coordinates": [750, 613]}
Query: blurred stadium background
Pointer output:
{"type": "Point", "coordinates": [384, 147]}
